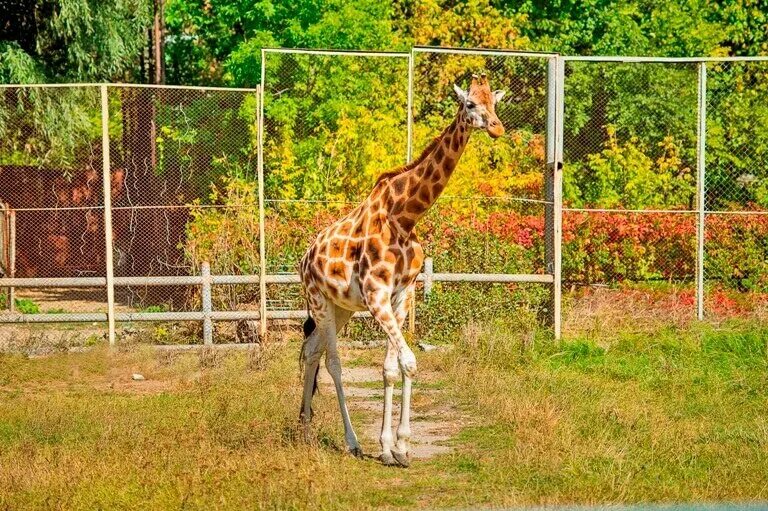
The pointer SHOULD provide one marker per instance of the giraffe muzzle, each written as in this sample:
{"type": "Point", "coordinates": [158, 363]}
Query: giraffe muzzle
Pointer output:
{"type": "Point", "coordinates": [495, 129]}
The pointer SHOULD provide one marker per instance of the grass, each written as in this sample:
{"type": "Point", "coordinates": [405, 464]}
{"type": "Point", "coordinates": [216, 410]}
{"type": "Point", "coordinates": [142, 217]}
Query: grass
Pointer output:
{"type": "Point", "coordinates": [676, 416]}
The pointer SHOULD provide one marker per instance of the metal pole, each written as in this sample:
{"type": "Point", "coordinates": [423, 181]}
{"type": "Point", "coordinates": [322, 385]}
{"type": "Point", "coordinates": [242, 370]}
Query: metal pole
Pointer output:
{"type": "Point", "coordinates": [107, 182]}
{"type": "Point", "coordinates": [701, 137]}
{"type": "Point", "coordinates": [262, 231]}
{"type": "Point", "coordinates": [409, 150]}
{"type": "Point", "coordinates": [557, 229]}
{"type": "Point", "coordinates": [205, 272]}
{"type": "Point", "coordinates": [12, 258]}
{"type": "Point", "coordinates": [408, 156]}
{"type": "Point", "coordinates": [549, 181]}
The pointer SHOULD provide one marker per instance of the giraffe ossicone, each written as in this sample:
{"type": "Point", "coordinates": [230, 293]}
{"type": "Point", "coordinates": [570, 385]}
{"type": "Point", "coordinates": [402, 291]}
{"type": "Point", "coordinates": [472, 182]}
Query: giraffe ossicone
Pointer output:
{"type": "Point", "coordinates": [369, 260]}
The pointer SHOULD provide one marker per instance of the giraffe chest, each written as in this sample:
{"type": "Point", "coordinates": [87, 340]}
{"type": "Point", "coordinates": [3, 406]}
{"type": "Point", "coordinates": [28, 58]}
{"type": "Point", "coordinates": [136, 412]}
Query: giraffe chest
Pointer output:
{"type": "Point", "coordinates": [347, 269]}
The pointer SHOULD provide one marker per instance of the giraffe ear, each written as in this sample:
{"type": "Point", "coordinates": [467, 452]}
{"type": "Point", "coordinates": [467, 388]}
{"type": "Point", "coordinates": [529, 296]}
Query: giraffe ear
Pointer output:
{"type": "Point", "coordinates": [462, 94]}
{"type": "Point", "coordinates": [497, 95]}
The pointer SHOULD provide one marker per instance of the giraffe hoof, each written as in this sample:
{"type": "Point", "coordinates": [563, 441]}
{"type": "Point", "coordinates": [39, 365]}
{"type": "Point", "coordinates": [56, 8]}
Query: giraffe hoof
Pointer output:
{"type": "Point", "coordinates": [357, 452]}
{"type": "Point", "coordinates": [388, 460]}
{"type": "Point", "coordinates": [402, 459]}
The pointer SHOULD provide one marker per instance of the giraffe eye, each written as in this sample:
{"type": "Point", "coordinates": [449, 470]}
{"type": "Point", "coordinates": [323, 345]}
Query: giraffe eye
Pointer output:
{"type": "Point", "coordinates": [470, 105]}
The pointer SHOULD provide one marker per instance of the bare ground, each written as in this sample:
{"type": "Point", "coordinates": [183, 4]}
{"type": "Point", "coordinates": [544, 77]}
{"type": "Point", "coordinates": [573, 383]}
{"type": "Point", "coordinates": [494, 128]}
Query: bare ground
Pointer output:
{"type": "Point", "coordinates": [434, 421]}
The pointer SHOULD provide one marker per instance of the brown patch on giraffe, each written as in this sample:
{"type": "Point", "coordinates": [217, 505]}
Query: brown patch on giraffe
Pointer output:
{"type": "Point", "coordinates": [374, 250]}
{"type": "Point", "coordinates": [424, 195]}
{"type": "Point", "coordinates": [345, 228]}
{"type": "Point", "coordinates": [416, 207]}
{"type": "Point", "coordinates": [337, 269]}
{"type": "Point", "coordinates": [398, 185]}
{"type": "Point", "coordinates": [336, 249]}
{"type": "Point", "coordinates": [407, 224]}
{"type": "Point", "coordinates": [399, 265]}
{"type": "Point", "coordinates": [382, 274]}
{"type": "Point", "coordinates": [450, 164]}
{"type": "Point", "coordinates": [353, 250]}
{"type": "Point", "coordinates": [456, 140]}
{"type": "Point", "coordinates": [439, 154]}
{"type": "Point", "coordinates": [359, 229]}
{"type": "Point", "coordinates": [376, 225]}
{"type": "Point", "coordinates": [398, 206]}
{"type": "Point", "coordinates": [437, 176]}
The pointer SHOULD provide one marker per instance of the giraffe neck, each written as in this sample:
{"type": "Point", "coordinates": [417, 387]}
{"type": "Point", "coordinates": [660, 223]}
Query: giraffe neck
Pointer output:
{"type": "Point", "coordinates": [416, 190]}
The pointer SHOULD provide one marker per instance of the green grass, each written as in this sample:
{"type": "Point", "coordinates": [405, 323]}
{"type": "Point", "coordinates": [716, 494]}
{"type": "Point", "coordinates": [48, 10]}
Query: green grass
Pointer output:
{"type": "Point", "coordinates": [678, 416]}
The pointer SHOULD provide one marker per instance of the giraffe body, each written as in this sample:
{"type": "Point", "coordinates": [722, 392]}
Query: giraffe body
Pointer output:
{"type": "Point", "coordinates": [370, 259]}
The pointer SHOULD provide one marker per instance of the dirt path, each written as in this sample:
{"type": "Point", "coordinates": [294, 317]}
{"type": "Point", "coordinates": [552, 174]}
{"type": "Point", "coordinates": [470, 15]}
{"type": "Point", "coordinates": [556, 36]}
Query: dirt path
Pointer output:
{"type": "Point", "coordinates": [434, 421]}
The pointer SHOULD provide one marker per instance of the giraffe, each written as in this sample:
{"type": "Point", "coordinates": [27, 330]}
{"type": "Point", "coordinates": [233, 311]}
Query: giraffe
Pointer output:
{"type": "Point", "coordinates": [369, 260]}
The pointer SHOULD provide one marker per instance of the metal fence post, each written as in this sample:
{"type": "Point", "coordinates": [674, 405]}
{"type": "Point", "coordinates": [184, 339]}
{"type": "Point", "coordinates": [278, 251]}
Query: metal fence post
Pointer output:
{"type": "Point", "coordinates": [205, 272]}
{"type": "Point", "coordinates": [557, 206]}
{"type": "Point", "coordinates": [408, 156]}
{"type": "Point", "coordinates": [553, 183]}
{"type": "Point", "coordinates": [107, 182]}
{"type": "Point", "coordinates": [701, 181]}
{"type": "Point", "coordinates": [262, 230]}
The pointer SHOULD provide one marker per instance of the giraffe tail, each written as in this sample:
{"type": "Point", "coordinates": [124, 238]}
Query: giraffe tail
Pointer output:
{"type": "Point", "coordinates": [309, 327]}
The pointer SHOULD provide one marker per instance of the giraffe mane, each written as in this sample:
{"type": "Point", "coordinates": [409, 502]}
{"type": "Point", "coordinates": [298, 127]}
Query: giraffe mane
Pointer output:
{"type": "Point", "coordinates": [415, 163]}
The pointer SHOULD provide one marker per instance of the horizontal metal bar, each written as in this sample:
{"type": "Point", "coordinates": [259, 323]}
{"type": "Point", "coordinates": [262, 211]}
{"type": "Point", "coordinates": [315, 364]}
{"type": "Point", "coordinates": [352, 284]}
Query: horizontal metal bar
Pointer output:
{"type": "Point", "coordinates": [482, 51]}
{"type": "Point", "coordinates": [191, 347]}
{"type": "Point", "coordinates": [159, 316]}
{"type": "Point", "coordinates": [74, 317]}
{"type": "Point", "coordinates": [659, 60]}
{"type": "Point", "coordinates": [235, 315]}
{"type": "Point", "coordinates": [350, 53]}
{"type": "Point", "coordinates": [734, 212]}
{"type": "Point", "coordinates": [490, 277]}
{"type": "Point", "coordinates": [292, 278]}
{"type": "Point", "coordinates": [184, 87]}
{"type": "Point", "coordinates": [616, 210]}
{"type": "Point", "coordinates": [235, 279]}
{"type": "Point", "coordinates": [54, 282]}
{"type": "Point", "coordinates": [113, 84]}
{"type": "Point", "coordinates": [302, 314]}
{"type": "Point", "coordinates": [169, 280]}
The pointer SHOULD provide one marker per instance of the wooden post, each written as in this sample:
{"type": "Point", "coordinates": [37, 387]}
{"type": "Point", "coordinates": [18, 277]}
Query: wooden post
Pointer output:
{"type": "Point", "coordinates": [428, 272]}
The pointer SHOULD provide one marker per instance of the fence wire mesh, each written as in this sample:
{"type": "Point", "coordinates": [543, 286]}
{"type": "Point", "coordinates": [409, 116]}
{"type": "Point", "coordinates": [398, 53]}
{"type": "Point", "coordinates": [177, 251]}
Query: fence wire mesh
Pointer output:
{"type": "Point", "coordinates": [51, 178]}
{"type": "Point", "coordinates": [183, 190]}
{"type": "Point", "coordinates": [332, 124]}
{"type": "Point", "coordinates": [184, 185]}
{"type": "Point", "coordinates": [629, 179]}
{"type": "Point", "coordinates": [736, 190]}
{"type": "Point", "coordinates": [490, 218]}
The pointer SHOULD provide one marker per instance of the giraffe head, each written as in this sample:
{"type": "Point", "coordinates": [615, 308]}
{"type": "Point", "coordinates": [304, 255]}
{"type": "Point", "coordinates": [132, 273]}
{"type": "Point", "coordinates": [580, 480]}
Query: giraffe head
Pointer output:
{"type": "Point", "coordinates": [478, 105]}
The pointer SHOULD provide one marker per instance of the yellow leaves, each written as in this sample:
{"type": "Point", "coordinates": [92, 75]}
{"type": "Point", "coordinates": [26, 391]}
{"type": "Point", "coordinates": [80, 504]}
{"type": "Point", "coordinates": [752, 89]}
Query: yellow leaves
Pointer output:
{"type": "Point", "coordinates": [471, 23]}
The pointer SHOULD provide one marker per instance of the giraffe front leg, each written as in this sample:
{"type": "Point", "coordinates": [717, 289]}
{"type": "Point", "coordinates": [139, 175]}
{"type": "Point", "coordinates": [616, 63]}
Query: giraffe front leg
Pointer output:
{"type": "Point", "coordinates": [385, 316]}
{"type": "Point", "coordinates": [407, 361]}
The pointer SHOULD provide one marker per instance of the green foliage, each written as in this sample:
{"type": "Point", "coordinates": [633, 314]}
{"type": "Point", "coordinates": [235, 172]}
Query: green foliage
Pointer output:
{"type": "Point", "coordinates": [26, 306]}
{"type": "Point", "coordinates": [76, 40]}
{"type": "Point", "coordinates": [623, 176]}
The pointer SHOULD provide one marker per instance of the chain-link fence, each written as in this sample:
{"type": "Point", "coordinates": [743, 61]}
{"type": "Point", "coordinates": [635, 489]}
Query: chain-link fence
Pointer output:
{"type": "Point", "coordinates": [235, 184]}
{"type": "Point", "coordinates": [662, 183]}
{"type": "Point", "coordinates": [735, 189]}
